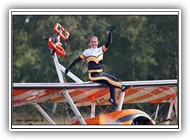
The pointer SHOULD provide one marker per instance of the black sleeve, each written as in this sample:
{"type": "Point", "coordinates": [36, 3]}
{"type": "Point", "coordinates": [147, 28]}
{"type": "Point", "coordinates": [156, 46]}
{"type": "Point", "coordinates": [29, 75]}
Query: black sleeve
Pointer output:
{"type": "Point", "coordinates": [109, 40]}
{"type": "Point", "coordinates": [74, 62]}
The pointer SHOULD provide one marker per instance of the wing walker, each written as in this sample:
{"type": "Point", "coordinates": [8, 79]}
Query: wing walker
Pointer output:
{"type": "Point", "coordinates": [157, 91]}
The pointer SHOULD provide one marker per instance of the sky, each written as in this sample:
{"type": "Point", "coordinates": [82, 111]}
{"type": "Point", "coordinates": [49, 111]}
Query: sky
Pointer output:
{"type": "Point", "coordinates": [98, 4]}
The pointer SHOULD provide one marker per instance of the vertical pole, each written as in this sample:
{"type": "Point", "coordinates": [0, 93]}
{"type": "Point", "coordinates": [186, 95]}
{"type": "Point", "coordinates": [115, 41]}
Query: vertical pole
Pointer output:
{"type": "Point", "coordinates": [170, 111]}
{"type": "Point", "coordinates": [121, 99]}
{"type": "Point", "coordinates": [44, 113]}
{"type": "Point", "coordinates": [176, 108]}
{"type": "Point", "coordinates": [58, 69]}
{"type": "Point", "coordinates": [59, 76]}
{"type": "Point", "coordinates": [74, 108]}
{"type": "Point", "coordinates": [157, 109]}
{"type": "Point", "coordinates": [65, 93]}
{"type": "Point", "coordinates": [93, 107]}
{"type": "Point", "coordinates": [54, 109]}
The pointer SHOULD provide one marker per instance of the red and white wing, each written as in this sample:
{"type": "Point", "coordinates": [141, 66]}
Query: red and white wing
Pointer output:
{"type": "Point", "coordinates": [84, 93]}
{"type": "Point", "coordinates": [28, 93]}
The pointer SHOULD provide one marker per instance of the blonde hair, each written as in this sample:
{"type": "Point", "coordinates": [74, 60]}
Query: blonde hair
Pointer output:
{"type": "Point", "coordinates": [92, 36]}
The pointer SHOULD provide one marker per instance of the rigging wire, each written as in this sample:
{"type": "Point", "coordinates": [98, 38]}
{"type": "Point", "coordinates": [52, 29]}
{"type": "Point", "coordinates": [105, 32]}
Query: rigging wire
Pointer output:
{"type": "Point", "coordinates": [43, 62]}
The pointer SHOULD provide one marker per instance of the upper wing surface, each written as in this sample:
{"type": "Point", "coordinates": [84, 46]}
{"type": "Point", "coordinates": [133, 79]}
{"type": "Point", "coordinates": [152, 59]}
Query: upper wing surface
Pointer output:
{"type": "Point", "coordinates": [84, 93]}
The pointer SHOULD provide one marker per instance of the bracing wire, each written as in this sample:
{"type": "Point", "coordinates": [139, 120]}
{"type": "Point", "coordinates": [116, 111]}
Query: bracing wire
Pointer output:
{"type": "Point", "coordinates": [43, 62]}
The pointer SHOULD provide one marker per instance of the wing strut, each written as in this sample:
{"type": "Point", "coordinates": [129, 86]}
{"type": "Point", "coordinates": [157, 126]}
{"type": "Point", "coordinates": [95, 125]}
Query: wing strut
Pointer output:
{"type": "Point", "coordinates": [157, 109]}
{"type": "Point", "coordinates": [93, 109]}
{"type": "Point", "coordinates": [60, 69]}
{"type": "Point", "coordinates": [173, 103]}
{"type": "Point", "coordinates": [44, 113]}
{"type": "Point", "coordinates": [121, 99]}
{"type": "Point", "coordinates": [73, 106]}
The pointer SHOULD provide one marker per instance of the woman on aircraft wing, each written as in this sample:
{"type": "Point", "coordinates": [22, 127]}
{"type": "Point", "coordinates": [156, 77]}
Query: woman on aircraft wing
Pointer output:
{"type": "Point", "coordinates": [94, 57]}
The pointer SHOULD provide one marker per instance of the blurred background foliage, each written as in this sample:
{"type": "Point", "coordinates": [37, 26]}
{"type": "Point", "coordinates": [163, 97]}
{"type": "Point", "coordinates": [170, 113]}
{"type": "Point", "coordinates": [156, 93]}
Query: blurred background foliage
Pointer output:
{"type": "Point", "coordinates": [143, 47]}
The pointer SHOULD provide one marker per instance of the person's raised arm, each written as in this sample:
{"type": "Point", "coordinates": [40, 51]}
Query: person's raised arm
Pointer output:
{"type": "Point", "coordinates": [109, 39]}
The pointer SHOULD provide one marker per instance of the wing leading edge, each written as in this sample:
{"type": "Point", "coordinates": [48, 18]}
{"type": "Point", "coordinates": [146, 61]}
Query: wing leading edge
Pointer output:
{"type": "Point", "coordinates": [84, 93]}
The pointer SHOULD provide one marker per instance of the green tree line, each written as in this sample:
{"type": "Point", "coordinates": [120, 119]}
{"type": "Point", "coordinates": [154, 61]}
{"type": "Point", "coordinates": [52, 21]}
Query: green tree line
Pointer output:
{"type": "Point", "coordinates": [144, 47]}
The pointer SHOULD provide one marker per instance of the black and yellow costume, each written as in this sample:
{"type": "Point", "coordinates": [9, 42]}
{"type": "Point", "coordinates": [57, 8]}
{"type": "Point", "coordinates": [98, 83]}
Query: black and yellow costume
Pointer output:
{"type": "Point", "coordinates": [94, 57]}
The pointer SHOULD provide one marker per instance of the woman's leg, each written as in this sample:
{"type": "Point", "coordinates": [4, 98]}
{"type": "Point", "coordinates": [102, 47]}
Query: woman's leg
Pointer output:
{"type": "Point", "coordinates": [108, 80]}
{"type": "Point", "coordinates": [104, 78]}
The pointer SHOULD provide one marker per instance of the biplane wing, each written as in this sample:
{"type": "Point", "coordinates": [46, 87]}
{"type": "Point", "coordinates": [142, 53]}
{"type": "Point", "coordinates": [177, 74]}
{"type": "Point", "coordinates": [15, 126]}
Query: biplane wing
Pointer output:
{"type": "Point", "coordinates": [86, 94]}
{"type": "Point", "coordinates": [156, 91]}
